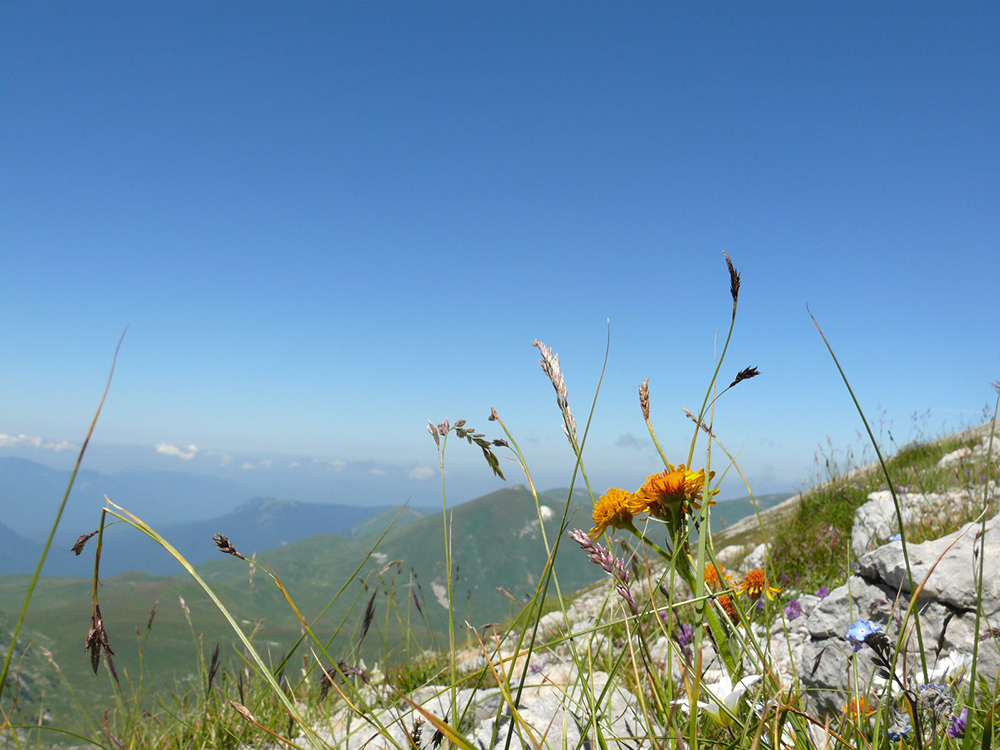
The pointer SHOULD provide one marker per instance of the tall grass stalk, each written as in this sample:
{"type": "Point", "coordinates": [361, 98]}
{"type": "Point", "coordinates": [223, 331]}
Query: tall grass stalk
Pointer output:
{"type": "Point", "coordinates": [55, 522]}
{"type": "Point", "coordinates": [891, 485]}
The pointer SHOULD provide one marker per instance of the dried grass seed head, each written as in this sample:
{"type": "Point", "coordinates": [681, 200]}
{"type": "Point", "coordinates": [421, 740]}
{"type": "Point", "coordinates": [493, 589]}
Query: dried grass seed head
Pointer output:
{"type": "Point", "coordinates": [745, 374]}
{"type": "Point", "coordinates": [226, 546]}
{"type": "Point", "coordinates": [82, 541]}
{"type": "Point", "coordinates": [734, 278]}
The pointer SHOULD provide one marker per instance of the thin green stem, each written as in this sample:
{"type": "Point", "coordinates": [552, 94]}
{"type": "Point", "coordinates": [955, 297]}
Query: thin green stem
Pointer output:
{"type": "Point", "coordinates": [892, 489]}
{"type": "Point", "coordinates": [55, 523]}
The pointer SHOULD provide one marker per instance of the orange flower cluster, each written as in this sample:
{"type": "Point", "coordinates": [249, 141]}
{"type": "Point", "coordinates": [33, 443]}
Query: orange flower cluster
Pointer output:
{"type": "Point", "coordinates": [678, 489]}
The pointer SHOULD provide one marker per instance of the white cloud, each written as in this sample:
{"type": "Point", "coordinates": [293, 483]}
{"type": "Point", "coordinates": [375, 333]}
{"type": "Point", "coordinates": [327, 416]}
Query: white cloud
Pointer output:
{"type": "Point", "coordinates": [336, 464]}
{"type": "Point", "coordinates": [185, 454]}
{"type": "Point", "coordinates": [225, 459]}
{"type": "Point", "coordinates": [294, 465]}
{"type": "Point", "coordinates": [17, 441]}
{"type": "Point", "coordinates": [421, 473]}
{"type": "Point", "coordinates": [377, 472]}
{"type": "Point", "coordinates": [267, 463]}
{"type": "Point", "coordinates": [247, 467]}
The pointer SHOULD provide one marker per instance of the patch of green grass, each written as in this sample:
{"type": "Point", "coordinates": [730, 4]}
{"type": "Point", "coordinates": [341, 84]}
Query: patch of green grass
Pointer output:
{"type": "Point", "coordinates": [813, 548]}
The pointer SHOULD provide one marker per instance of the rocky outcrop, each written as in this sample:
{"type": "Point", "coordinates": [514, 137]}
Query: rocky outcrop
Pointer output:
{"type": "Point", "coordinates": [876, 522]}
{"type": "Point", "coordinates": [945, 573]}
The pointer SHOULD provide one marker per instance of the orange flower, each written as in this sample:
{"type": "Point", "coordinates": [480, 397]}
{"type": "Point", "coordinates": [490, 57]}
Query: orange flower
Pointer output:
{"type": "Point", "coordinates": [859, 707]}
{"type": "Point", "coordinates": [755, 583]}
{"type": "Point", "coordinates": [716, 576]}
{"type": "Point", "coordinates": [728, 607]}
{"type": "Point", "coordinates": [679, 488]}
{"type": "Point", "coordinates": [611, 511]}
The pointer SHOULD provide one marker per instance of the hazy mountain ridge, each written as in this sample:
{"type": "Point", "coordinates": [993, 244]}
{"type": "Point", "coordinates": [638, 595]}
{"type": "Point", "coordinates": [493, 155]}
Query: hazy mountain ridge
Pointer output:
{"type": "Point", "coordinates": [498, 549]}
{"type": "Point", "coordinates": [30, 493]}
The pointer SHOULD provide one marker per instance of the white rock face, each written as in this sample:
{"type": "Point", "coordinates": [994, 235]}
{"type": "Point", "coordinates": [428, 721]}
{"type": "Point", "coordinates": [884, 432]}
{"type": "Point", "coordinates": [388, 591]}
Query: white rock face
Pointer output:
{"type": "Point", "coordinates": [955, 565]}
{"type": "Point", "coordinates": [948, 569]}
{"type": "Point", "coordinates": [978, 451]}
{"type": "Point", "coordinates": [875, 521]}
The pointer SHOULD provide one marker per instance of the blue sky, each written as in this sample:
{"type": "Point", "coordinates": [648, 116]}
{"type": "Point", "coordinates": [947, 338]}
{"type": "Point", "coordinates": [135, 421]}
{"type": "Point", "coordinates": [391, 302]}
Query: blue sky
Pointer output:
{"type": "Point", "coordinates": [326, 223]}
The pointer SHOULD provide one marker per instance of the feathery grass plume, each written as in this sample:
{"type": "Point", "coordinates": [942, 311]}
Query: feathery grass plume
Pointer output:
{"type": "Point", "coordinates": [616, 568]}
{"type": "Point", "coordinates": [644, 398]}
{"type": "Point", "coordinates": [226, 546]}
{"type": "Point", "coordinates": [550, 366]}
{"type": "Point", "coordinates": [744, 374]}
{"type": "Point", "coordinates": [734, 279]}
{"type": "Point", "coordinates": [81, 542]}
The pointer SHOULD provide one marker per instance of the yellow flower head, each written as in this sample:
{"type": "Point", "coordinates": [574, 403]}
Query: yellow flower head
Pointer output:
{"type": "Point", "coordinates": [755, 583]}
{"type": "Point", "coordinates": [611, 511]}
{"type": "Point", "coordinates": [679, 488]}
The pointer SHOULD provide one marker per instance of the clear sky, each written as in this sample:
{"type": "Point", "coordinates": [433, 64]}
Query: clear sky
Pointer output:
{"type": "Point", "coordinates": [326, 223]}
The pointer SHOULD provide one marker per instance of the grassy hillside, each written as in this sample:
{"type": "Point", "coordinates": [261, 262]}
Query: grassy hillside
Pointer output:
{"type": "Point", "coordinates": [497, 544]}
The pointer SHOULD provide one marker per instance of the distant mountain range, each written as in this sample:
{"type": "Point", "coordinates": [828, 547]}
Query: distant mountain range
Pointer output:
{"type": "Point", "coordinates": [30, 494]}
{"type": "Point", "coordinates": [497, 542]}
{"type": "Point", "coordinates": [175, 504]}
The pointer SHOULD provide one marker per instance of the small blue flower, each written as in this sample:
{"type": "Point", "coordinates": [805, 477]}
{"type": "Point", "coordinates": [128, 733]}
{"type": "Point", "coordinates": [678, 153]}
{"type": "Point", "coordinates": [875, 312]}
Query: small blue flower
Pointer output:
{"type": "Point", "coordinates": [896, 538]}
{"type": "Point", "coordinates": [898, 734]}
{"type": "Point", "coordinates": [957, 729]}
{"type": "Point", "coordinates": [860, 630]}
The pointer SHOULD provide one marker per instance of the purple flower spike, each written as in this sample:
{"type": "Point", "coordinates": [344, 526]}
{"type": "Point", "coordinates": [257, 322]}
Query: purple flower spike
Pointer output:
{"type": "Point", "coordinates": [794, 609]}
{"type": "Point", "coordinates": [957, 729]}
{"type": "Point", "coordinates": [684, 635]}
{"type": "Point", "coordinates": [822, 592]}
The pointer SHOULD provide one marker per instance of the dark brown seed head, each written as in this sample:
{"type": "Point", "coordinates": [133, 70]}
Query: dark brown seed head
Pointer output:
{"type": "Point", "coordinates": [224, 545]}
{"type": "Point", "coordinates": [734, 279]}
{"type": "Point", "coordinates": [369, 615]}
{"type": "Point", "coordinates": [644, 399]}
{"type": "Point", "coordinates": [78, 547]}
{"type": "Point", "coordinates": [745, 374]}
